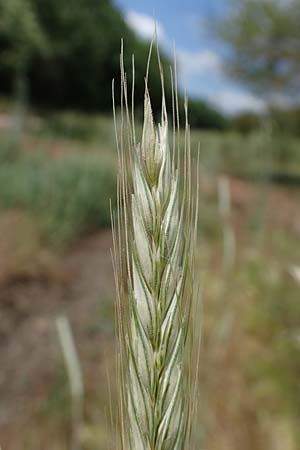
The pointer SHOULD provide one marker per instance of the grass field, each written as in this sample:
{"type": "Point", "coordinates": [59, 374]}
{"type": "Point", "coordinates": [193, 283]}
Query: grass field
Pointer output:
{"type": "Point", "coordinates": [56, 182]}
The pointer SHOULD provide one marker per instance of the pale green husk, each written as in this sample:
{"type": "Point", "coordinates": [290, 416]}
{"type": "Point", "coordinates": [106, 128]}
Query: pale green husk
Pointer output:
{"type": "Point", "coordinates": [154, 241]}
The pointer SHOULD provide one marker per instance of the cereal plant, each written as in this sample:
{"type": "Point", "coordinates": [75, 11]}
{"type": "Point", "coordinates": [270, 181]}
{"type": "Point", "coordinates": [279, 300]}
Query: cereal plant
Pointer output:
{"type": "Point", "coordinates": [154, 243]}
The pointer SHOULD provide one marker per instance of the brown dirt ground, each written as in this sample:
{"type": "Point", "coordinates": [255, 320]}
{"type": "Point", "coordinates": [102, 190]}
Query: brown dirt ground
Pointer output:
{"type": "Point", "coordinates": [29, 349]}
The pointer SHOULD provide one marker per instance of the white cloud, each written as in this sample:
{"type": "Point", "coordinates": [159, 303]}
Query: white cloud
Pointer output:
{"type": "Point", "coordinates": [233, 101]}
{"type": "Point", "coordinates": [198, 63]}
{"type": "Point", "coordinates": [145, 26]}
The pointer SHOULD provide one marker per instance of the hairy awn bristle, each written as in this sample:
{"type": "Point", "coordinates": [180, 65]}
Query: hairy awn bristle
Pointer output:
{"type": "Point", "coordinates": [154, 239]}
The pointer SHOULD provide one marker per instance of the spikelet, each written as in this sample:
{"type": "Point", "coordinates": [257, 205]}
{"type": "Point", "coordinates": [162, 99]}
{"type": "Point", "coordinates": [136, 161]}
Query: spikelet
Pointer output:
{"type": "Point", "coordinates": [154, 239]}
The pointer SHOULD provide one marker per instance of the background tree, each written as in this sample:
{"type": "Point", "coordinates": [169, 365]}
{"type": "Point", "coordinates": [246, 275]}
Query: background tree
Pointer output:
{"type": "Point", "coordinates": [21, 36]}
{"type": "Point", "coordinates": [203, 115]}
{"type": "Point", "coordinates": [264, 38]}
{"type": "Point", "coordinates": [69, 51]}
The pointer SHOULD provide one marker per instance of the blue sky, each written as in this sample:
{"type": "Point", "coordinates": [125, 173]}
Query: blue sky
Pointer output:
{"type": "Point", "coordinates": [199, 54]}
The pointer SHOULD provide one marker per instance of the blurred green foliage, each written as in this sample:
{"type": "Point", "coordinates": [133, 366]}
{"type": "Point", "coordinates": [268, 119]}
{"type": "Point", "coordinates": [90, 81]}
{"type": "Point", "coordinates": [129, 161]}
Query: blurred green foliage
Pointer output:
{"type": "Point", "coordinates": [260, 154]}
{"type": "Point", "coordinates": [275, 322]}
{"type": "Point", "coordinates": [68, 195]}
{"type": "Point", "coordinates": [287, 121]}
{"type": "Point", "coordinates": [74, 126]}
{"type": "Point", "coordinates": [201, 115]}
{"type": "Point", "coordinates": [246, 122]}
{"type": "Point", "coordinates": [264, 37]}
{"type": "Point", "coordinates": [21, 35]}
{"type": "Point", "coordinates": [67, 53]}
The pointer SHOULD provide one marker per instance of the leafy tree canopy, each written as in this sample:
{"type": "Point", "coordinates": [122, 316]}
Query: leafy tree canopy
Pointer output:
{"type": "Point", "coordinates": [20, 34]}
{"type": "Point", "coordinates": [68, 51]}
{"type": "Point", "coordinates": [264, 36]}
